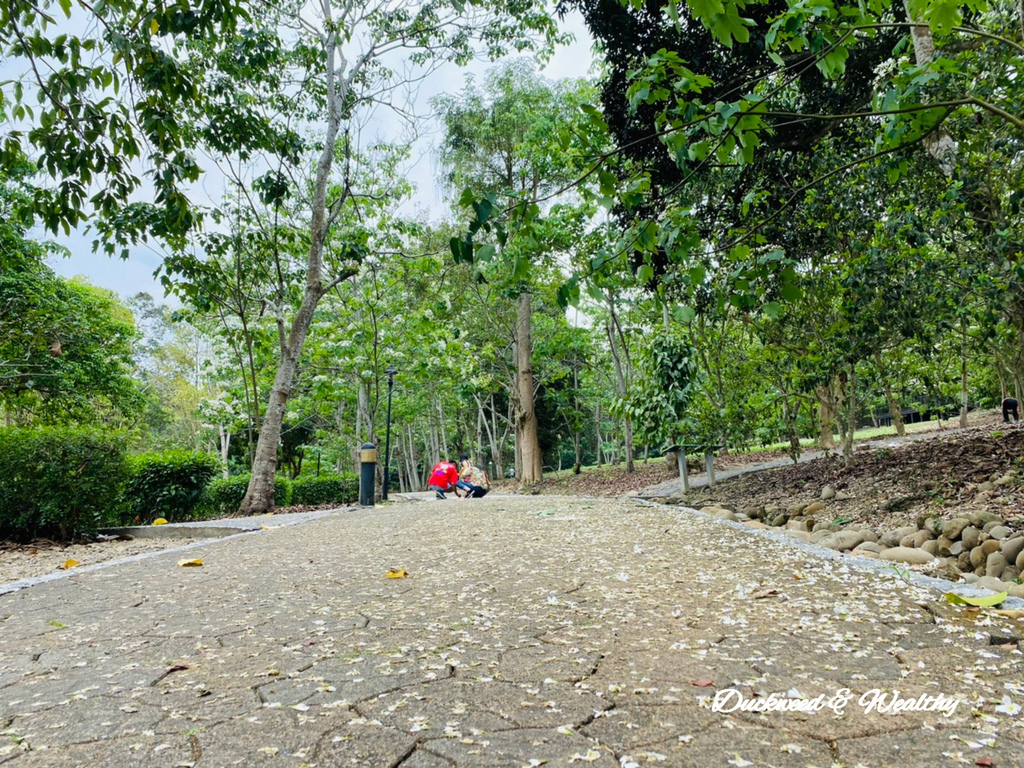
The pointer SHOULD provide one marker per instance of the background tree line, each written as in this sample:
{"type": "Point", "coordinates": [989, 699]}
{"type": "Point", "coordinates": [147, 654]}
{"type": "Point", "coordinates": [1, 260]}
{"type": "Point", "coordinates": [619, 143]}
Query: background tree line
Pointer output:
{"type": "Point", "coordinates": [770, 224]}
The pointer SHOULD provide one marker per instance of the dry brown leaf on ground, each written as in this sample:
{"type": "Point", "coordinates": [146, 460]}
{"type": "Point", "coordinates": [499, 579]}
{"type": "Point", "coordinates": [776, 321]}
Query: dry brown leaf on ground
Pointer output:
{"type": "Point", "coordinates": [1010, 613]}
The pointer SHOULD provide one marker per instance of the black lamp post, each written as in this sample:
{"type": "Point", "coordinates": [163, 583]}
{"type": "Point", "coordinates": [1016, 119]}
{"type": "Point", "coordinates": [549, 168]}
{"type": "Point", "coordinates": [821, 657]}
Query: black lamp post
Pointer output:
{"type": "Point", "coordinates": [387, 434]}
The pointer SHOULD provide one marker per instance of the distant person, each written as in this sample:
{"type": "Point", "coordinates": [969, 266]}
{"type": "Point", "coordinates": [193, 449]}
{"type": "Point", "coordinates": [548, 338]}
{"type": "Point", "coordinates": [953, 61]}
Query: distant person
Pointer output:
{"type": "Point", "coordinates": [473, 481]}
{"type": "Point", "coordinates": [464, 465]}
{"type": "Point", "coordinates": [443, 478]}
{"type": "Point", "coordinates": [1010, 406]}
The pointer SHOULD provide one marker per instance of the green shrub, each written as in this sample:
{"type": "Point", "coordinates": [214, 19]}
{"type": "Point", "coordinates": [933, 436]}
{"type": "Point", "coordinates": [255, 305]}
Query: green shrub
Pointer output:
{"type": "Point", "coordinates": [325, 489]}
{"type": "Point", "coordinates": [168, 485]}
{"type": "Point", "coordinates": [60, 482]}
{"type": "Point", "coordinates": [225, 496]}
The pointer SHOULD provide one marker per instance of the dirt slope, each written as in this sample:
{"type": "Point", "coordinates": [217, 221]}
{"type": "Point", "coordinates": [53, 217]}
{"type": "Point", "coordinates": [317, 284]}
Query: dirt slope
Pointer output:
{"type": "Point", "coordinates": [945, 474]}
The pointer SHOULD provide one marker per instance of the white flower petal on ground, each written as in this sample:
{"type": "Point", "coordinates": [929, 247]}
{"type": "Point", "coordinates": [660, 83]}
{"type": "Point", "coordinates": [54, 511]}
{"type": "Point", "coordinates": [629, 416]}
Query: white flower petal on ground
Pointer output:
{"type": "Point", "coordinates": [1009, 707]}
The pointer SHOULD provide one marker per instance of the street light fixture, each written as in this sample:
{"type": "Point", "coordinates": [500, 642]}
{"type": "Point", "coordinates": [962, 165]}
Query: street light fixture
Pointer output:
{"type": "Point", "coordinates": [387, 434]}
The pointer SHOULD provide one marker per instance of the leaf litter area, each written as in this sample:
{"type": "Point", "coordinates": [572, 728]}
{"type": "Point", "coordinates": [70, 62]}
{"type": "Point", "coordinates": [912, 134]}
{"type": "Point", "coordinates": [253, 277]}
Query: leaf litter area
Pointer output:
{"type": "Point", "coordinates": [42, 557]}
{"type": "Point", "coordinates": [947, 474]}
{"type": "Point", "coordinates": [507, 632]}
{"type": "Point", "coordinates": [613, 480]}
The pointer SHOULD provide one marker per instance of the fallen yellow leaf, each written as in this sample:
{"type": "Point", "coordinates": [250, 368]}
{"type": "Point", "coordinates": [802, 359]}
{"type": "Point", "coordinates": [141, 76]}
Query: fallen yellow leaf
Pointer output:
{"type": "Point", "coordinates": [159, 521]}
{"type": "Point", "coordinates": [982, 602]}
{"type": "Point", "coordinates": [186, 563]}
{"type": "Point", "coordinates": [70, 564]}
{"type": "Point", "coordinates": [396, 573]}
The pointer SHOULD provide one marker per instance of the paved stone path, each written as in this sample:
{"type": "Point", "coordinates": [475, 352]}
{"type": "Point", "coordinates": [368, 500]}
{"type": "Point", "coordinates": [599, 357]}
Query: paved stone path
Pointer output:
{"type": "Point", "coordinates": [530, 631]}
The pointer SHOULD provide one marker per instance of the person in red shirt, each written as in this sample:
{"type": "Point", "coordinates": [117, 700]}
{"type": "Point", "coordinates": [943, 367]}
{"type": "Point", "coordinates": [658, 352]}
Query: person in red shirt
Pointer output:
{"type": "Point", "coordinates": [443, 478]}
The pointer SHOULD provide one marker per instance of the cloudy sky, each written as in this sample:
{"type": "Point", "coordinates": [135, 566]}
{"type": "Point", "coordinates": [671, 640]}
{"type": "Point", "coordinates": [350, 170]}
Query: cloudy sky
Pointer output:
{"type": "Point", "coordinates": [136, 274]}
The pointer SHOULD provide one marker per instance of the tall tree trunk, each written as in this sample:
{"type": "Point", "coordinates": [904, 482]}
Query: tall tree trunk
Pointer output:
{"type": "Point", "coordinates": [259, 497]}
{"type": "Point", "coordinates": [998, 366]}
{"type": "Point", "coordinates": [823, 393]}
{"type": "Point", "coordinates": [364, 427]}
{"type": "Point", "coordinates": [621, 383]}
{"type": "Point", "coordinates": [339, 77]}
{"type": "Point", "coordinates": [225, 447]}
{"type": "Point", "coordinates": [409, 453]}
{"type": "Point", "coordinates": [529, 438]}
{"type": "Point", "coordinates": [440, 426]}
{"type": "Point", "coordinates": [894, 407]}
{"type": "Point", "coordinates": [597, 431]}
{"type": "Point", "coordinates": [480, 435]}
{"type": "Point", "coordinates": [789, 417]}
{"type": "Point", "coordinates": [940, 145]}
{"type": "Point", "coordinates": [1015, 314]}
{"type": "Point", "coordinates": [435, 442]}
{"type": "Point", "coordinates": [963, 373]}
{"type": "Point", "coordinates": [491, 427]}
{"type": "Point", "coordinates": [252, 408]}
{"type": "Point", "coordinates": [848, 409]}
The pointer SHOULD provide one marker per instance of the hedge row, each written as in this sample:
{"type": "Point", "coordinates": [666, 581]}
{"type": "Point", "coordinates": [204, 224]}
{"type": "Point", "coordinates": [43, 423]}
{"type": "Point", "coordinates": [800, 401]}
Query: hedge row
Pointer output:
{"type": "Point", "coordinates": [325, 489]}
{"type": "Point", "coordinates": [60, 482]}
{"type": "Point", "coordinates": [171, 485]}
{"type": "Point", "coordinates": [63, 482]}
{"type": "Point", "coordinates": [225, 496]}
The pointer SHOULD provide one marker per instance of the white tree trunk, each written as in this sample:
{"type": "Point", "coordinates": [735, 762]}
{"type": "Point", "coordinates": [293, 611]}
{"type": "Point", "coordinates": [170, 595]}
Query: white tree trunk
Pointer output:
{"type": "Point", "coordinates": [940, 145]}
{"type": "Point", "coordinates": [225, 447]}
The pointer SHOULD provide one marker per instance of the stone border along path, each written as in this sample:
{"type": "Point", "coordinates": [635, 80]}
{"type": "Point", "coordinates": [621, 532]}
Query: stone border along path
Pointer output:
{"type": "Point", "coordinates": [530, 631]}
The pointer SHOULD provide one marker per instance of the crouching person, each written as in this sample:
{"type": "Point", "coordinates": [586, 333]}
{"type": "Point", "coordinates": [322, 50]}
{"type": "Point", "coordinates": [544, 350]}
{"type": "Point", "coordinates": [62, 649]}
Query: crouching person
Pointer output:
{"type": "Point", "coordinates": [473, 481]}
{"type": "Point", "coordinates": [443, 478]}
{"type": "Point", "coordinates": [1010, 407]}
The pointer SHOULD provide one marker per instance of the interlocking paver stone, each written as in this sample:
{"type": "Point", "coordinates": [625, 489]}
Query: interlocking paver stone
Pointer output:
{"type": "Point", "coordinates": [530, 631]}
